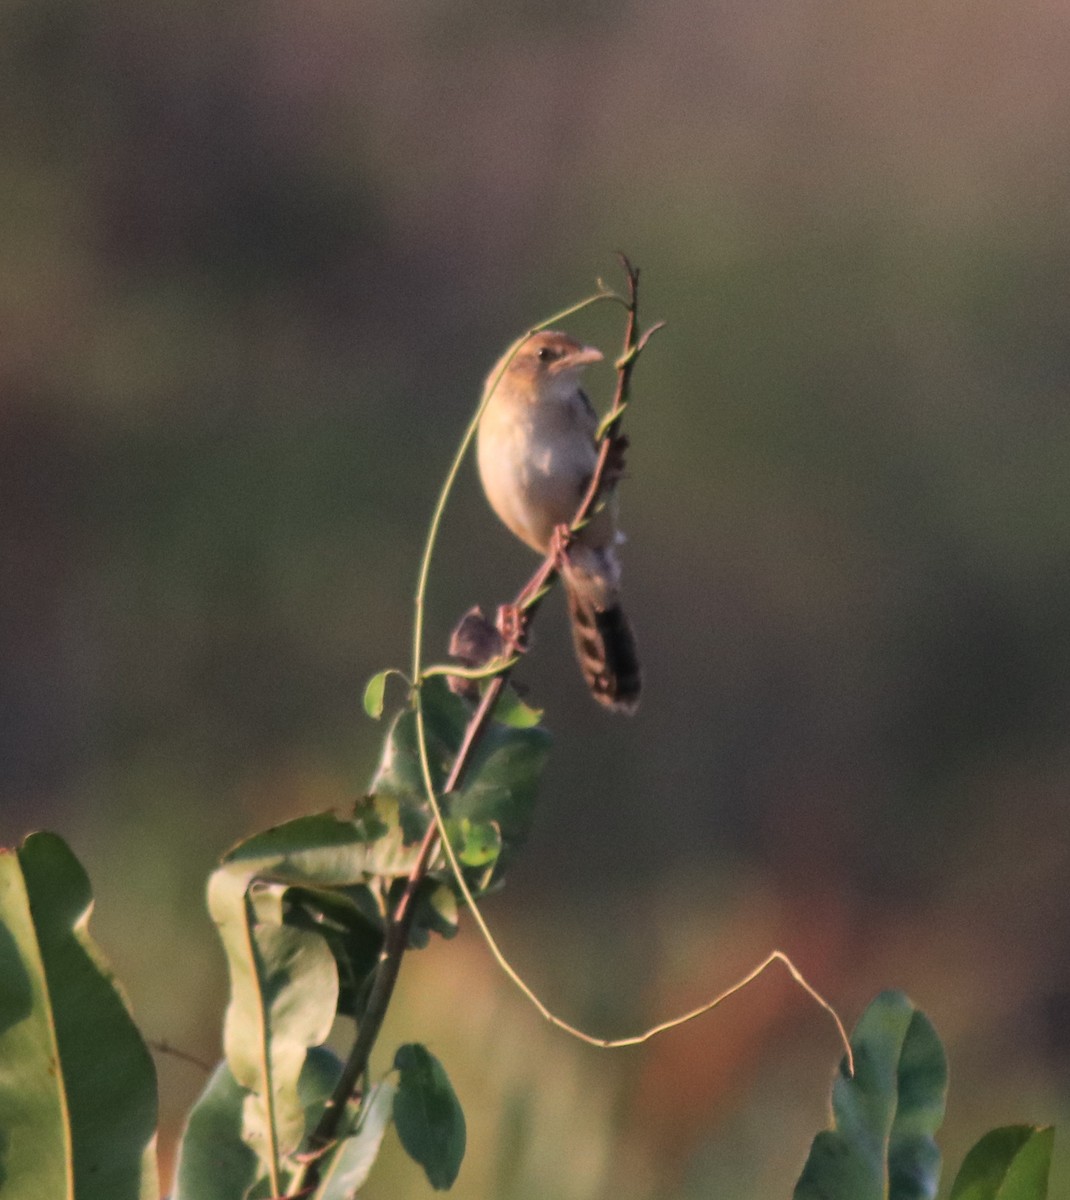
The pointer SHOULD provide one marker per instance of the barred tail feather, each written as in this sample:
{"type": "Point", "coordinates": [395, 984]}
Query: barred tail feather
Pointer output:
{"type": "Point", "coordinates": [605, 647]}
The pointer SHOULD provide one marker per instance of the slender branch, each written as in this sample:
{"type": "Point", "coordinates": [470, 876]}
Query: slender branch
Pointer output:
{"type": "Point", "coordinates": [527, 602]}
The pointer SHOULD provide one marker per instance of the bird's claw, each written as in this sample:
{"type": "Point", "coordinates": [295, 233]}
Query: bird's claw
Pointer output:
{"type": "Point", "coordinates": [560, 539]}
{"type": "Point", "coordinates": [511, 624]}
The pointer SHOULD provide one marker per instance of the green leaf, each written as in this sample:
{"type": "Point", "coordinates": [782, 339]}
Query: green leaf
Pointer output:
{"type": "Point", "coordinates": [436, 912]}
{"type": "Point", "coordinates": [445, 719]}
{"type": "Point", "coordinates": [319, 1074]}
{"type": "Point", "coordinates": [499, 786]}
{"type": "Point", "coordinates": [375, 695]}
{"type": "Point", "coordinates": [476, 843]}
{"type": "Point", "coordinates": [511, 710]}
{"type": "Point", "coordinates": [882, 1146]}
{"type": "Point", "coordinates": [1011, 1163]}
{"type": "Point", "coordinates": [77, 1085]}
{"type": "Point", "coordinates": [443, 904]}
{"type": "Point", "coordinates": [502, 783]}
{"type": "Point", "coordinates": [347, 1167]}
{"type": "Point", "coordinates": [214, 1163]}
{"type": "Point", "coordinates": [284, 992]}
{"type": "Point", "coordinates": [352, 926]}
{"type": "Point", "coordinates": [375, 691]}
{"type": "Point", "coordinates": [428, 1115]}
{"type": "Point", "coordinates": [329, 849]}
{"type": "Point", "coordinates": [301, 928]}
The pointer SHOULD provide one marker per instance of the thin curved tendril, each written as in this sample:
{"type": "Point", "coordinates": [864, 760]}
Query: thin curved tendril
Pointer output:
{"type": "Point", "coordinates": [429, 786]}
{"type": "Point", "coordinates": [511, 973]}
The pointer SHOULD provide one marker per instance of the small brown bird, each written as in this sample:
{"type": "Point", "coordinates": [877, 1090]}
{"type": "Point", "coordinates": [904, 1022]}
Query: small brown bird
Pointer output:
{"type": "Point", "coordinates": [537, 453]}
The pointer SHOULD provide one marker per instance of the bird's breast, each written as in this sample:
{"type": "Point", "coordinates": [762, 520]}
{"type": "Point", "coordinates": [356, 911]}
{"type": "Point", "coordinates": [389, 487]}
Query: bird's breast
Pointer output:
{"type": "Point", "coordinates": [535, 462]}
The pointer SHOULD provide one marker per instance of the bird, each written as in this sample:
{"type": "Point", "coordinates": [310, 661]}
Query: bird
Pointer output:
{"type": "Point", "coordinates": [536, 450]}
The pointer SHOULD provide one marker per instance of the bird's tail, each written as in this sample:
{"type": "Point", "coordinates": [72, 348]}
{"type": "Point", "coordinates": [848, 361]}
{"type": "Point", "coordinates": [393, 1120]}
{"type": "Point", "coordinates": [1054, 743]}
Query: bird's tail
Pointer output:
{"type": "Point", "coordinates": [601, 633]}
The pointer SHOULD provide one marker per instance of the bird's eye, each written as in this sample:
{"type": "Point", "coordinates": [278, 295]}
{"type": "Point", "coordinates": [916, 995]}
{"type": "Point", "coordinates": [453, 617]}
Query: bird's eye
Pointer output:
{"type": "Point", "coordinates": [546, 354]}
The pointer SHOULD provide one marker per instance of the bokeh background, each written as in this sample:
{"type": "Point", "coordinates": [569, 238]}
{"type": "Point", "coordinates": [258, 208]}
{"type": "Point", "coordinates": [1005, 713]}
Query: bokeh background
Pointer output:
{"type": "Point", "coordinates": [256, 260]}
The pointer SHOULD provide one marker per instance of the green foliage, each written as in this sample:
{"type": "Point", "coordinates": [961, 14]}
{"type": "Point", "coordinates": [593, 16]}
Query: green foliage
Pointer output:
{"type": "Point", "coordinates": [886, 1115]}
{"type": "Point", "coordinates": [498, 790]}
{"type": "Point", "coordinates": [375, 695]}
{"type": "Point", "coordinates": [77, 1084]}
{"type": "Point", "coordinates": [358, 1149]}
{"type": "Point", "coordinates": [284, 993]}
{"type": "Point", "coordinates": [476, 843]}
{"type": "Point", "coordinates": [214, 1162]}
{"type": "Point", "coordinates": [349, 921]}
{"type": "Point", "coordinates": [374, 699]}
{"type": "Point", "coordinates": [511, 710]}
{"type": "Point", "coordinates": [1011, 1163]}
{"type": "Point", "coordinates": [882, 1146]}
{"type": "Point", "coordinates": [301, 913]}
{"type": "Point", "coordinates": [428, 1116]}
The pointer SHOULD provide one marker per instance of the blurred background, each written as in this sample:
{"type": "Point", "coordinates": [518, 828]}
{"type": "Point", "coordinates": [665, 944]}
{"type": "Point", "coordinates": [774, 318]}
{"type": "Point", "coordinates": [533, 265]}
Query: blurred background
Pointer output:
{"type": "Point", "coordinates": [256, 261]}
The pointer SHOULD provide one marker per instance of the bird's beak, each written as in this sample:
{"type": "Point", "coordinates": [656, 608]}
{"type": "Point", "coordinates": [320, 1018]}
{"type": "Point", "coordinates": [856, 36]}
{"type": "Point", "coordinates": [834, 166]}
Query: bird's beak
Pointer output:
{"type": "Point", "coordinates": [582, 357]}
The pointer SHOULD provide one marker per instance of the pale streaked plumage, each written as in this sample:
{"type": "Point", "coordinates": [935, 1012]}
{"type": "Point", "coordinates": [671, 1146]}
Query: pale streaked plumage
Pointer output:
{"type": "Point", "coordinates": [536, 451]}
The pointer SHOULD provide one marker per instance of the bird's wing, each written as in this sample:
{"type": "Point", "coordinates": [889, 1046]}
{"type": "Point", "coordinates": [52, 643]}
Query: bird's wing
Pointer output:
{"type": "Point", "coordinates": [590, 417]}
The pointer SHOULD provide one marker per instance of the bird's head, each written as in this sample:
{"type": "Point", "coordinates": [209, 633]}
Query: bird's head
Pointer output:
{"type": "Point", "coordinates": [551, 356]}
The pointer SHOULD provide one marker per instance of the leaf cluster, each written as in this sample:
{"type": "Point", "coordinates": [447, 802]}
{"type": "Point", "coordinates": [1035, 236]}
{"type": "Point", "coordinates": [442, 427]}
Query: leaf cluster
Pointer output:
{"type": "Point", "coordinates": [885, 1117]}
{"type": "Point", "coordinates": [303, 910]}
{"type": "Point", "coordinates": [78, 1096]}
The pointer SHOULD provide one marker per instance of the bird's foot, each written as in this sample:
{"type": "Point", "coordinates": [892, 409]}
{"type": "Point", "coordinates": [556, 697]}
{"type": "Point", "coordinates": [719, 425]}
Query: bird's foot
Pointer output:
{"type": "Point", "coordinates": [560, 540]}
{"type": "Point", "coordinates": [513, 628]}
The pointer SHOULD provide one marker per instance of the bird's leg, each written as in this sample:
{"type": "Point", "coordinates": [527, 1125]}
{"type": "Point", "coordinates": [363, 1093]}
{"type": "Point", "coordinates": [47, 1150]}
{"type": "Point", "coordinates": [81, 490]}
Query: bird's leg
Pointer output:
{"type": "Point", "coordinates": [559, 544]}
{"type": "Point", "coordinates": [512, 627]}
{"type": "Point", "coordinates": [512, 618]}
